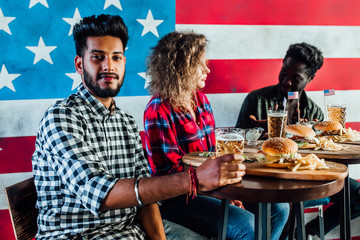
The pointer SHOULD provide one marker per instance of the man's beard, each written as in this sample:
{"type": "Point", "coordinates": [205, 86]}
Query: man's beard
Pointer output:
{"type": "Point", "coordinates": [94, 87]}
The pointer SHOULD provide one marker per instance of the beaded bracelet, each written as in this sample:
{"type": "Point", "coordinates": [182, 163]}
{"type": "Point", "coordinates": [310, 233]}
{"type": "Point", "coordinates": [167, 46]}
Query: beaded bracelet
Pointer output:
{"type": "Point", "coordinates": [137, 191]}
{"type": "Point", "coordinates": [193, 184]}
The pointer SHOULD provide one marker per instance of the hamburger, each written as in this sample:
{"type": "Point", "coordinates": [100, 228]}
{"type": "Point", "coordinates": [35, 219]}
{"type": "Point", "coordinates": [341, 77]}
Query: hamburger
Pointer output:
{"type": "Point", "coordinates": [279, 153]}
{"type": "Point", "coordinates": [328, 128]}
{"type": "Point", "coordinates": [303, 135]}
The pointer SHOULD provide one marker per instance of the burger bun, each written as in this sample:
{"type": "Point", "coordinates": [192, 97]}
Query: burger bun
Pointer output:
{"type": "Point", "coordinates": [299, 130]}
{"type": "Point", "coordinates": [279, 146]}
{"type": "Point", "coordinates": [328, 126]}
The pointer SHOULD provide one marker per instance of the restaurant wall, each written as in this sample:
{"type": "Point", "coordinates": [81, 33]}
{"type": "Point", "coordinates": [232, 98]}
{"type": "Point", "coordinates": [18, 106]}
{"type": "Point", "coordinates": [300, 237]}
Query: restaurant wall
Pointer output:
{"type": "Point", "coordinates": [247, 41]}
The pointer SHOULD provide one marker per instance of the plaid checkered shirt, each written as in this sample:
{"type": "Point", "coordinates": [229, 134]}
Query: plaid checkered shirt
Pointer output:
{"type": "Point", "coordinates": [82, 149]}
{"type": "Point", "coordinates": [171, 133]}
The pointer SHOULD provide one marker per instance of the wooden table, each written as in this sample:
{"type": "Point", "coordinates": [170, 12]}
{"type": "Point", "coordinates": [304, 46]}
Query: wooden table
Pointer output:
{"type": "Point", "coordinates": [348, 156]}
{"type": "Point", "coordinates": [264, 191]}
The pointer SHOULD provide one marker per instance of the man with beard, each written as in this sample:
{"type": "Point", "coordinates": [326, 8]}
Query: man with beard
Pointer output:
{"type": "Point", "coordinates": [299, 67]}
{"type": "Point", "coordinates": [90, 173]}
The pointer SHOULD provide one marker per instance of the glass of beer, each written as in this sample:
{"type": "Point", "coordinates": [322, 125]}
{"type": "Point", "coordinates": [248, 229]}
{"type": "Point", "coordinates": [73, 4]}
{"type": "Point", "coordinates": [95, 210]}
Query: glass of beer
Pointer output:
{"type": "Point", "coordinates": [337, 113]}
{"type": "Point", "coordinates": [277, 121]}
{"type": "Point", "coordinates": [229, 140]}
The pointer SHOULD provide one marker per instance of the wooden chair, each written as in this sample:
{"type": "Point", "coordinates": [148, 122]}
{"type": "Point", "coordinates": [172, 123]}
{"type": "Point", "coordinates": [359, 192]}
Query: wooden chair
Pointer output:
{"type": "Point", "coordinates": [21, 199]}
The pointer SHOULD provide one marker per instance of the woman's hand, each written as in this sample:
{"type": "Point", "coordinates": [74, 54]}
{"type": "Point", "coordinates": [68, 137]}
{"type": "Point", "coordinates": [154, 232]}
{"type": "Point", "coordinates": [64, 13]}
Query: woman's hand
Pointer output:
{"type": "Point", "coordinates": [237, 203]}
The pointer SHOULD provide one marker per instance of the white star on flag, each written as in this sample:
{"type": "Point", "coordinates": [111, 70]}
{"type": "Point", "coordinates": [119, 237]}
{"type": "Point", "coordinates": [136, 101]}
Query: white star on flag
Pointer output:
{"type": "Point", "coordinates": [4, 22]}
{"type": "Point", "coordinates": [6, 78]}
{"type": "Point", "coordinates": [146, 77]}
{"type": "Point", "coordinates": [34, 2]}
{"type": "Point", "coordinates": [72, 21]}
{"type": "Point", "coordinates": [76, 79]}
{"type": "Point", "coordinates": [150, 24]}
{"type": "Point", "coordinates": [42, 52]}
{"type": "Point", "coordinates": [116, 3]}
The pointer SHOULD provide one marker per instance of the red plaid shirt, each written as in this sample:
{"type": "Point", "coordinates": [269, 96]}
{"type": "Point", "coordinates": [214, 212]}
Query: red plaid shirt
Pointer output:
{"type": "Point", "coordinates": [171, 133]}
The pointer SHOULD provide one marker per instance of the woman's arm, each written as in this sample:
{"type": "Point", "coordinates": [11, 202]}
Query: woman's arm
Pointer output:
{"type": "Point", "coordinates": [150, 219]}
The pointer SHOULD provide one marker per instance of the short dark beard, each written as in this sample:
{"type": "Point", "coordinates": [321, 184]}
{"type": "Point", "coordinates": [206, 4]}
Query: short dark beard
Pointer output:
{"type": "Point", "coordinates": [95, 88]}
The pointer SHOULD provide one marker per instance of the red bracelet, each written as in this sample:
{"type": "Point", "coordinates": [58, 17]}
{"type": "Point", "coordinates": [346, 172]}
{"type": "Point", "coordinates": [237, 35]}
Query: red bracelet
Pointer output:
{"type": "Point", "coordinates": [194, 181]}
{"type": "Point", "coordinates": [190, 188]}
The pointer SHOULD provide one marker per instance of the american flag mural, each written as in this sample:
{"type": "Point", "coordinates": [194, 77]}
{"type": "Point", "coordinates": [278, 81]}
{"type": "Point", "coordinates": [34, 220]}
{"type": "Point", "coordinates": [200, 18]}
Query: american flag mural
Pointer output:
{"type": "Point", "coordinates": [247, 42]}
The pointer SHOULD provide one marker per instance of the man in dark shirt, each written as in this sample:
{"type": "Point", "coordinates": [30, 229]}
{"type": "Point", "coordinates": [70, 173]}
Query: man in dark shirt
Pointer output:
{"type": "Point", "coordinates": [300, 64]}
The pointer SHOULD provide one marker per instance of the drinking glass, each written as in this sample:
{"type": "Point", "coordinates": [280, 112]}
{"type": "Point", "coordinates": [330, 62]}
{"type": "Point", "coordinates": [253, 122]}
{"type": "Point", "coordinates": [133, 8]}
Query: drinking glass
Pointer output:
{"type": "Point", "coordinates": [337, 113]}
{"type": "Point", "coordinates": [277, 120]}
{"type": "Point", "coordinates": [229, 140]}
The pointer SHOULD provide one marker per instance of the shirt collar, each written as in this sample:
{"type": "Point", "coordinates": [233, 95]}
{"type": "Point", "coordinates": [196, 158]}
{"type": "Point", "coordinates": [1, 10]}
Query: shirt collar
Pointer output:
{"type": "Point", "coordinates": [96, 106]}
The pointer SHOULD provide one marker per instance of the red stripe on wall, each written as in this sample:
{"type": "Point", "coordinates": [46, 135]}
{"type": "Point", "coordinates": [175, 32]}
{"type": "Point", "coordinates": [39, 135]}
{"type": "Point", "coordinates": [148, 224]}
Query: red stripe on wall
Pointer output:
{"type": "Point", "coordinates": [284, 12]}
{"type": "Point", "coordinates": [16, 154]}
{"type": "Point", "coordinates": [13, 160]}
{"type": "Point", "coordinates": [6, 229]}
{"type": "Point", "coordinates": [353, 125]}
{"type": "Point", "coordinates": [239, 76]}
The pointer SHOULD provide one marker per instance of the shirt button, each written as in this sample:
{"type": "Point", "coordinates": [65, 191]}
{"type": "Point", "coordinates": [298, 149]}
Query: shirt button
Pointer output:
{"type": "Point", "coordinates": [203, 139]}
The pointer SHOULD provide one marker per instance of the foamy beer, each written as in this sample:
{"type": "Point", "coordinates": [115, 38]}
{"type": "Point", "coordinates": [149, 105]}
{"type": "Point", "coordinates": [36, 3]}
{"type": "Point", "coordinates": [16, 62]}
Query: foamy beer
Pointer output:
{"type": "Point", "coordinates": [277, 121]}
{"type": "Point", "coordinates": [229, 140]}
{"type": "Point", "coordinates": [337, 113]}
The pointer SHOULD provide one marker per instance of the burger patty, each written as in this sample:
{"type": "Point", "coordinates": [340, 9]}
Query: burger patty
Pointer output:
{"type": "Point", "coordinates": [302, 139]}
{"type": "Point", "coordinates": [330, 133]}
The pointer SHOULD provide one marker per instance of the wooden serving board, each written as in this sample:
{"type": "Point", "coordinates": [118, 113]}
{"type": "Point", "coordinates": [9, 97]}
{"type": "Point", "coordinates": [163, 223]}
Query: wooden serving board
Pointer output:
{"type": "Point", "coordinates": [350, 151]}
{"type": "Point", "coordinates": [352, 142]}
{"type": "Point", "coordinates": [336, 170]}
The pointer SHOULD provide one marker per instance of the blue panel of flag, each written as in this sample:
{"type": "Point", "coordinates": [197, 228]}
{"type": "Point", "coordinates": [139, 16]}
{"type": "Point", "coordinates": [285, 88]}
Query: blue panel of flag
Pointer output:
{"type": "Point", "coordinates": [42, 76]}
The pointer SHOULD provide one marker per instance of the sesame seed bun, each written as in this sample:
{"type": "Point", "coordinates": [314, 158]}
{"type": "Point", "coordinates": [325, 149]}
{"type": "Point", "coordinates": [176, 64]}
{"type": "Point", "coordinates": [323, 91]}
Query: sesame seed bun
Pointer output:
{"type": "Point", "coordinates": [328, 126]}
{"type": "Point", "coordinates": [299, 130]}
{"type": "Point", "coordinates": [279, 146]}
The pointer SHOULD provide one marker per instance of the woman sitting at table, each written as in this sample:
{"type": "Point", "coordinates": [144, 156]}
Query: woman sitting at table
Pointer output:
{"type": "Point", "coordinates": [178, 120]}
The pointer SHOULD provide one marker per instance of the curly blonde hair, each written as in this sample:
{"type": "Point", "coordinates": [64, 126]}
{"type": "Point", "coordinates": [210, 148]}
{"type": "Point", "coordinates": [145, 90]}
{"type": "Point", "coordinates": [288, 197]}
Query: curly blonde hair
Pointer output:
{"type": "Point", "coordinates": [172, 66]}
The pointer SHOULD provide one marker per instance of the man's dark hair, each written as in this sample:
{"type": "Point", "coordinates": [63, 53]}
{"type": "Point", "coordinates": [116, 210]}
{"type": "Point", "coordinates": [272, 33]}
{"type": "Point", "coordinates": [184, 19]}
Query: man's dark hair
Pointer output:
{"type": "Point", "coordinates": [308, 54]}
{"type": "Point", "coordinates": [98, 26]}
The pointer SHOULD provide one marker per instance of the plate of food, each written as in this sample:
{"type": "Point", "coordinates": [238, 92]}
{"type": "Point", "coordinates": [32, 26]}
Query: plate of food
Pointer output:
{"type": "Point", "coordinates": [335, 132]}
{"type": "Point", "coordinates": [279, 158]}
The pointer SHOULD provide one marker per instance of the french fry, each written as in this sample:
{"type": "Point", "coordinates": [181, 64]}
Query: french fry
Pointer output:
{"type": "Point", "coordinates": [309, 162]}
{"type": "Point", "coordinates": [328, 144]}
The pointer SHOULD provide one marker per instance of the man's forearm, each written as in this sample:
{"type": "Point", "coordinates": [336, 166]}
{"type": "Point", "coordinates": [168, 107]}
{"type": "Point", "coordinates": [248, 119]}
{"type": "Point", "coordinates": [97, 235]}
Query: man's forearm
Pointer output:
{"type": "Point", "coordinates": [211, 174]}
{"type": "Point", "coordinates": [150, 190]}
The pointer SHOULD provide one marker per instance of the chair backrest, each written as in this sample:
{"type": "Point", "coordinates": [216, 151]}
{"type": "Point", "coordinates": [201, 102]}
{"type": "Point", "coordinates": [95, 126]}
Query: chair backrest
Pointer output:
{"type": "Point", "coordinates": [21, 199]}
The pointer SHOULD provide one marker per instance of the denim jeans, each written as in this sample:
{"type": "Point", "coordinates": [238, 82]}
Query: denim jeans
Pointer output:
{"type": "Point", "coordinates": [175, 231]}
{"type": "Point", "coordinates": [279, 216]}
{"type": "Point", "coordinates": [202, 215]}
{"type": "Point", "coordinates": [331, 214]}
